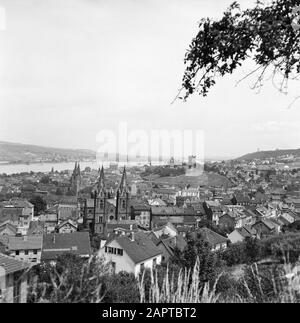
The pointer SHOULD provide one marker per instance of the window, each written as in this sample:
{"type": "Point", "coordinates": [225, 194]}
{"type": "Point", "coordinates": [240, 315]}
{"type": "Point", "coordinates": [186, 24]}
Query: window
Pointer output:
{"type": "Point", "coordinates": [26, 252]}
{"type": "Point", "coordinates": [106, 250]}
{"type": "Point", "coordinates": [154, 262]}
{"type": "Point", "coordinates": [101, 205]}
{"type": "Point", "coordinates": [123, 204]}
{"type": "Point", "coordinates": [17, 252]}
{"type": "Point", "coordinates": [142, 267]}
{"type": "Point", "coordinates": [120, 252]}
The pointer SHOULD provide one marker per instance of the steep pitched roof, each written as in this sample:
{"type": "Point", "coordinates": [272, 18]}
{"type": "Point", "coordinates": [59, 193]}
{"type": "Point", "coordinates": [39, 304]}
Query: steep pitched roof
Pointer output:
{"type": "Point", "coordinates": [8, 225]}
{"type": "Point", "coordinates": [243, 232]}
{"type": "Point", "coordinates": [139, 250]}
{"type": "Point", "coordinates": [12, 265]}
{"type": "Point", "coordinates": [56, 244]}
{"type": "Point", "coordinates": [22, 203]}
{"type": "Point", "coordinates": [267, 223]}
{"type": "Point", "coordinates": [171, 211]}
{"type": "Point", "coordinates": [36, 227]}
{"type": "Point", "coordinates": [12, 214]}
{"type": "Point", "coordinates": [212, 237]}
{"type": "Point", "coordinates": [126, 225]}
{"type": "Point", "coordinates": [25, 243]}
{"type": "Point", "coordinates": [67, 222]}
{"type": "Point", "coordinates": [283, 221]}
{"type": "Point", "coordinates": [172, 242]}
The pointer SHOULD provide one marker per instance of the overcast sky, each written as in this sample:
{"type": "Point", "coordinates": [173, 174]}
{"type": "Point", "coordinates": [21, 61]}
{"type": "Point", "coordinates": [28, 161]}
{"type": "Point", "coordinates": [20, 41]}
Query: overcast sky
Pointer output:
{"type": "Point", "coordinates": [71, 68]}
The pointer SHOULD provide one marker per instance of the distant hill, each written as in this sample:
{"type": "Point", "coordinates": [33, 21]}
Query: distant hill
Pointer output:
{"type": "Point", "coordinates": [271, 154]}
{"type": "Point", "coordinates": [205, 179]}
{"type": "Point", "coordinates": [20, 153]}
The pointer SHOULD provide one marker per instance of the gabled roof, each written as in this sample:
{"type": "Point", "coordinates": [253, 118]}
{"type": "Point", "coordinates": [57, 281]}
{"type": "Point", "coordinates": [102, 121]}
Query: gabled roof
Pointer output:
{"type": "Point", "coordinates": [293, 214]}
{"type": "Point", "coordinates": [163, 226]}
{"type": "Point", "coordinates": [29, 242]}
{"type": "Point", "coordinates": [151, 235]}
{"type": "Point", "coordinates": [67, 222]}
{"type": "Point", "coordinates": [36, 227]}
{"type": "Point", "coordinates": [56, 244]}
{"type": "Point", "coordinates": [246, 231]}
{"type": "Point", "coordinates": [283, 221]}
{"type": "Point", "coordinates": [139, 250]}
{"type": "Point", "coordinates": [126, 225]}
{"type": "Point", "coordinates": [268, 223]}
{"type": "Point", "coordinates": [48, 217]}
{"type": "Point", "coordinates": [17, 203]}
{"type": "Point", "coordinates": [8, 225]}
{"type": "Point", "coordinates": [226, 215]}
{"type": "Point", "coordinates": [174, 242]}
{"type": "Point", "coordinates": [12, 214]}
{"type": "Point", "coordinates": [242, 198]}
{"type": "Point", "coordinates": [172, 211]}
{"type": "Point", "coordinates": [212, 237]}
{"type": "Point", "coordinates": [158, 201]}
{"type": "Point", "coordinates": [139, 205]}
{"type": "Point", "coordinates": [12, 265]}
{"type": "Point", "coordinates": [249, 229]}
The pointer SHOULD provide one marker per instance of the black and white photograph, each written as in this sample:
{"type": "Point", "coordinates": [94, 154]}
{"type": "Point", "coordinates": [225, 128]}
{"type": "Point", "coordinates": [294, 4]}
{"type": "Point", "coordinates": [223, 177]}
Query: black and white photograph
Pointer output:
{"type": "Point", "coordinates": [149, 154]}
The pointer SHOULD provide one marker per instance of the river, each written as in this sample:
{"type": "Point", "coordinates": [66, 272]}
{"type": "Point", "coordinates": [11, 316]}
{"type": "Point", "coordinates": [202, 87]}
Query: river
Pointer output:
{"type": "Point", "coordinates": [46, 167]}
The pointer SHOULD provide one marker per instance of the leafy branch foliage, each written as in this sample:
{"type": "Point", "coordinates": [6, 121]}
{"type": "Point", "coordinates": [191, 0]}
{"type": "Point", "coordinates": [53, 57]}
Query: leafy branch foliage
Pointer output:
{"type": "Point", "coordinates": [267, 34]}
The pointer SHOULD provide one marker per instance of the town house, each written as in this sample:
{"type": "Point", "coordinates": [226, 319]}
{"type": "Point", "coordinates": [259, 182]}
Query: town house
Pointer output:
{"type": "Point", "coordinates": [132, 253]}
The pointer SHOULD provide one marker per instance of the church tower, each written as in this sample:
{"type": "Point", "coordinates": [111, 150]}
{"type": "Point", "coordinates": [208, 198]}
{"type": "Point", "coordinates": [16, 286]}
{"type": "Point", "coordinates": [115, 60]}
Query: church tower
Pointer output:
{"type": "Point", "coordinates": [76, 179]}
{"type": "Point", "coordinates": [100, 203]}
{"type": "Point", "coordinates": [122, 198]}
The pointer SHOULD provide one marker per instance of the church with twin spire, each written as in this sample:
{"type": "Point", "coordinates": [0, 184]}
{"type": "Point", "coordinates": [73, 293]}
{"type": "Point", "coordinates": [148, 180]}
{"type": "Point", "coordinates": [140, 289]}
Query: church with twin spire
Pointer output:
{"type": "Point", "coordinates": [109, 206]}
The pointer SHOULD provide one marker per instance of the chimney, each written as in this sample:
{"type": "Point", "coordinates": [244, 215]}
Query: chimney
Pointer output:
{"type": "Point", "coordinates": [53, 238]}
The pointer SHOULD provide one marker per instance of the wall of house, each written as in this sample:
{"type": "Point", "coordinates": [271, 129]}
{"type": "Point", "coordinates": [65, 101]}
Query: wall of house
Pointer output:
{"type": "Point", "coordinates": [166, 230]}
{"type": "Point", "coordinates": [220, 246]}
{"type": "Point", "coordinates": [49, 227]}
{"type": "Point", "coordinates": [149, 263]}
{"type": "Point", "coordinates": [28, 212]}
{"type": "Point", "coordinates": [23, 228]}
{"type": "Point", "coordinates": [30, 257]}
{"type": "Point", "coordinates": [122, 262]}
{"type": "Point", "coordinates": [144, 218]}
{"type": "Point", "coordinates": [165, 254]}
{"type": "Point", "coordinates": [288, 217]}
{"type": "Point", "coordinates": [235, 237]}
{"type": "Point", "coordinates": [7, 287]}
{"type": "Point", "coordinates": [2, 284]}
